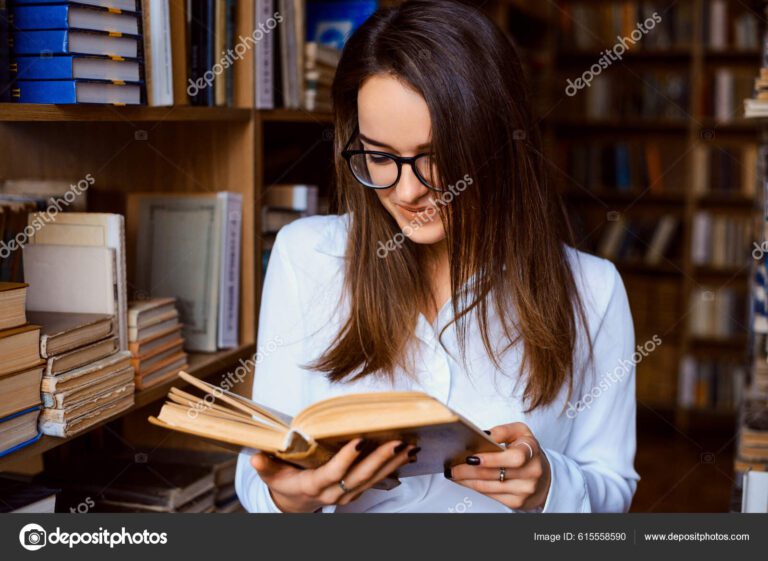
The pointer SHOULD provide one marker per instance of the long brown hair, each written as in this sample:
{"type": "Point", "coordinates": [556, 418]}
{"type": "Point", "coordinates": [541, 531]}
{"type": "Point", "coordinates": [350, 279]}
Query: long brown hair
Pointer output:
{"type": "Point", "coordinates": [505, 233]}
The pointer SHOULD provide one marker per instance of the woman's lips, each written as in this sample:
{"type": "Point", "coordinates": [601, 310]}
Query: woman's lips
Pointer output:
{"type": "Point", "coordinates": [416, 212]}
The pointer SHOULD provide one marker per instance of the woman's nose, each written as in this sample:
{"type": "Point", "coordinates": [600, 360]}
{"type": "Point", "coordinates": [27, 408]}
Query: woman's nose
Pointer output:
{"type": "Point", "coordinates": [409, 189]}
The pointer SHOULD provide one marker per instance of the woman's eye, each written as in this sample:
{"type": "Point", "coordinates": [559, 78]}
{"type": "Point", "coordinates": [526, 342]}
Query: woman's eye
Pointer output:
{"type": "Point", "coordinates": [377, 159]}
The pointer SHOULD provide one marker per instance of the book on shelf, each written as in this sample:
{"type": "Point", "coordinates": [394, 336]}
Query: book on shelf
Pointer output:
{"type": "Point", "coordinates": [25, 497]}
{"type": "Point", "coordinates": [714, 384]}
{"type": "Point", "coordinates": [222, 464]}
{"type": "Point", "coordinates": [89, 230]}
{"type": "Point", "coordinates": [725, 169]}
{"type": "Point", "coordinates": [755, 492]}
{"type": "Point", "coordinates": [71, 42]}
{"type": "Point", "coordinates": [118, 485]}
{"type": "Point", "coordinates": [67, 15]}
{"type": "Point", "coordinates": [115, 5]}
{"type": "Point", "coordinates": [20, 389]}
{"type": "Point", "coordinates": [19, 347]}
{"type": "Point", "coordinates": [646, 240]}
{"type": "Point", "coordinates": [188, 250]}
{"type": "Point", "coordinates": [13, 220]}
{"type": "Point", "coordinates": [717, 313]}
{"type": "Point", "coordinates": [156, 344]}
{"type": "Point", "coordinates": [13, 301]}
{"type": "Point", "coordinates": [729, 25]}
{"type": "Point", "coordinates": [62, 332]}
{"type": "Point", "coordinates": [730, 86]}
{"type": "Point", "coordinates": [720, 240]}
{"type": "Point", "coordinates": [5, 53]}
{"type": "Point", "coordinates": [18, 430]}
{"type": "Point", "coordinates": [264, 55]}
{"type": "Point", "coordinates": [77, 67]}
{"type": "Point", "coordinates": [177, 10]}
{"type": "Point", "coordinates": [77, 91]}
{"type": "Point", "coordinates": [158, 57]}
{"type": "Point", "coordinates": [311, 437]}
{"type": "Point", "coordinates": [58, 364]}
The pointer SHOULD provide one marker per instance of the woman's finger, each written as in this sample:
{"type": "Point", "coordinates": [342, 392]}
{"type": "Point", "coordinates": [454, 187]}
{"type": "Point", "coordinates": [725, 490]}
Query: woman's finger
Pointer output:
{"type": "Point", "coordinates": [334, 469]}
{"type": "Point", "coordinates": [524, 487]}
{"type": "Point", "coordinates": [464, 471]}
{"type": "Point", "coordinates": [371, 464]}
{"type": "Point", "coordinates": [517, 454]}
{"type": "Point", "coordinates": [269, 468]}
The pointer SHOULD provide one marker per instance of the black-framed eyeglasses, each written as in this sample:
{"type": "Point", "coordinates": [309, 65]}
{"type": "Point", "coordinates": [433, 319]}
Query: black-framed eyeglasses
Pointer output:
{"type": "Point", "coordinates": [382, 170]}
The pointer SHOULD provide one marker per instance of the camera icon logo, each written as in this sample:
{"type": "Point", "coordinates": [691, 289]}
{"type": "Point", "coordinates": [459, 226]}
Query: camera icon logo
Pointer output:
{"type": "Point", "coordinates": [33, 537]}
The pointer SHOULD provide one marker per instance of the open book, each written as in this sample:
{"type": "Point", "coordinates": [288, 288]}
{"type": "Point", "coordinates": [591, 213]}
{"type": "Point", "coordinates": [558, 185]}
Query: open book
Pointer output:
{"type": "Point", "coordinates": [310, 438]}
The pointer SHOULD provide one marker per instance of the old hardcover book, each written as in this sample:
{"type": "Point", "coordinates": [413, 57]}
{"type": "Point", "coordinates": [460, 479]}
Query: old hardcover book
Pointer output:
{"type": "Point", "coordinates": [13, 300]}
{"type": "Point", "coordinates": [80, 357]}
{"type": "Point", "coordinates": [20, 390]}
{"type": "Point", "coordinates": [86, 375]}
{"type": "Point", "coordinates": [75, 396]}
{"type": "Point", "coordinates": [153, 342]}
{"type": "Point", "coordinates": [318, 431]}
{"type": "Point", "coordinates": [79, 424]}
{"type": "Point", "coordinates": [64, 331]}
{"type": "Point", "coordinates": [19, 348]}
{"type": "Point", "coordinates": [88, 405]}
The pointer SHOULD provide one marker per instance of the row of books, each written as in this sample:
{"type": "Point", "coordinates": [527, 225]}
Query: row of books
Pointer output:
{"type": "Point", "coordinates": [190, 251]}
{"type": "Point", "coordinates": [639, 240]}
{"type": "Point", "coordinates": [725, 169]}
{"type": "Point", "coordinates": [159, 480]}
{"type": "Point", "coordinates": [158, 52]}
{"type": "Point", "coordinates": [711, 383]}
{"type": "Point", "coordinates": [721, 240]}
{"type": "Point", "coordinates": [296, 60]}
{"type": "Point", "coordinates": [624, 166]}
{"type": "Point", "coordinates": [756, 104]}
{"type": "Point", "coordinates": [618, 94]}
{"type": "Point", "coordinates": [730, 25]}
{"type": "Point", "coordinates": [589, 26]}
{"type": "Point", "coordinates": [717, 313]}
{"type": "Point", "coordinates": [656, 303]}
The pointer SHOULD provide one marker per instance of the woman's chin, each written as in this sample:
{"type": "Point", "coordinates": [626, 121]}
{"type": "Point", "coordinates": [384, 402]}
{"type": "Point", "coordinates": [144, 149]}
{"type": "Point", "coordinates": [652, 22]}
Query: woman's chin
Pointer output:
{"type": "Point", "coordinates": [426, 235]}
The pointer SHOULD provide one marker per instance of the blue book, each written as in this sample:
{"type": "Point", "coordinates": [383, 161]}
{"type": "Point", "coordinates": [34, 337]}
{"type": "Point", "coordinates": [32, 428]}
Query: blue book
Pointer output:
{"type": "Point", "coordinates": [77, 91]}
{"type": "Point", "coordinates": [67, 16]}
{"type": "Point", "coordinates": [32, 414]}
{"type": "Point", "coordinates": [331, 22]}
{"type": "Point", "coordinates": [623, 172]}
{"type": "Point", "coordinates": [68, 67]}
{"type": "Point", "coordinates": [65, 42]}
{"type": "Point", "coordinates": [123, 5]}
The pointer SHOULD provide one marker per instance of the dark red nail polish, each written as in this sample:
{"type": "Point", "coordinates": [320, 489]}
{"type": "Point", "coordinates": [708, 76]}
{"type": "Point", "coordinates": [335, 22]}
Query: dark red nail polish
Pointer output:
{"type": "Point", "coordinates": [487, 432]}
{"type": "Point", "coordinates": [360, 445]}
{"type": "Point", "coordinates": [413, 451]}
{"type": "Point", "coordinates": [473, 460]}
{"type": "Point", "coordinates": [400, 447]}
{"type": "Point", "coordinates": [447, 473]}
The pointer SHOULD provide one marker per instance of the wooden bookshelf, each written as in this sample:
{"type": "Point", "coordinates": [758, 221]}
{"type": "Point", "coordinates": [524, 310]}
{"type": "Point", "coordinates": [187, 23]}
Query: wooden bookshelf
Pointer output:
{"type": "Point", "coordinates": [30, 112]}
{"type": "Point", "coordinates": [695, 61]}
{"type": "Point", "coordinates": [201, 365]}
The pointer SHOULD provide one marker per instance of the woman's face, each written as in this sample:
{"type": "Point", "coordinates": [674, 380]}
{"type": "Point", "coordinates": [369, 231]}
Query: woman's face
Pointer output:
{"type": "Point", "coordinates": [394, 118]}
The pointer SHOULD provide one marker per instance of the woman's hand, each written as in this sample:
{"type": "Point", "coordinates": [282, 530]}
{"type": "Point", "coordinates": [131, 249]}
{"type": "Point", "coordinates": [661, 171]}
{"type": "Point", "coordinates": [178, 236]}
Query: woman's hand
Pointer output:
{"type": "Point", "coordinates": [517, 477]}
{"type": "Point", "coordinates": [306, 490]}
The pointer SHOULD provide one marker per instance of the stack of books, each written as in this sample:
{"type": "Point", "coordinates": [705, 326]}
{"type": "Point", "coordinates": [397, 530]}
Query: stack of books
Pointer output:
{"type": "Point", "coordinates": [77, 52]}
{"type": "Point", "coordinates": [156, 344]}
{"type": "Point", "coordinates": [188, 248]}
{"type": "Point", "coordinates": [20, 371]}
{"type": "Point", "coordinates": [86, 377]}
{"type": "Point", "coordinates": [320, 62]}
{"type": "Point", "coordinates": [752, 452]}
{"type": "Point", "coordinates": [116, 484]}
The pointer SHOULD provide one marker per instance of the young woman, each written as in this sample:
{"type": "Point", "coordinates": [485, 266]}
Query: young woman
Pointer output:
{"type": "Point", "coordinates": [447, 273]}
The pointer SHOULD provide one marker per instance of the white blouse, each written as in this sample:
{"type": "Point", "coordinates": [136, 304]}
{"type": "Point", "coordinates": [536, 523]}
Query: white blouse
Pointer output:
{"type": "Point", "coordinates": [589, 439]}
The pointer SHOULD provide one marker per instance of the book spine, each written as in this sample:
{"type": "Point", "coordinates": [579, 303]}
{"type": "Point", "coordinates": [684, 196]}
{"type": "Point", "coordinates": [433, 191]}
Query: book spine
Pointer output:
{"type": "Point", "coordinates": [41, 17]}
{"type": "Point", "coordinates": [179, 51]}
{"type": "Point", "coordinates": [230, 272]}
{"type": "Point", "coordinates": [159, 66]}
{"type": "Point", "coordinates": [5, 53]}
{"type": "Point", "coordinates": [52, 91]}
{"type": "Point", "coordinates": [264, 58]}
{"type": "Point", "coordinates": [46, 68]}
{"type": "Point", "coordinates": [54, 42]}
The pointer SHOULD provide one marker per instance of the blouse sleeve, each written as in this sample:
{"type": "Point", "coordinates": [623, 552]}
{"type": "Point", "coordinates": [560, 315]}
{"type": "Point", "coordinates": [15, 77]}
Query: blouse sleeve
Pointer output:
{"type": "Point", "coordinates": [595, 472]}
{"type": "Point", "coordinates": [278, 374]}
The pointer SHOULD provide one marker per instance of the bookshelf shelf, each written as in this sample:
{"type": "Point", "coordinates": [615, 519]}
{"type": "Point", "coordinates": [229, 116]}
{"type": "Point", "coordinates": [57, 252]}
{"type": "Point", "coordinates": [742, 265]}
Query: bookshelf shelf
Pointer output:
{"type": "Point", "coordinates": [200, 365]}
{"type": "Point", "coordinates": [15, 112]}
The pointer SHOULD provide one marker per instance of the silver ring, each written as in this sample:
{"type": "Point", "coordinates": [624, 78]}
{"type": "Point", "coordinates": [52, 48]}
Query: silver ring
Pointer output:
{"type": "Point", "coordinates": [530, 448]}
{"type": "Point", "coordinates": [502, 474]}
{"type": "Point", "coordinates": [343, 487]}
